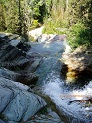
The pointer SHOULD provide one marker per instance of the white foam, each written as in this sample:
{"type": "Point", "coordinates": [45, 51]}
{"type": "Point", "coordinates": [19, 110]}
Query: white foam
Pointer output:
{"type": "Point", "coordinates": [68, 48]}
{"type": "Point", "coordinates": [56, 90]}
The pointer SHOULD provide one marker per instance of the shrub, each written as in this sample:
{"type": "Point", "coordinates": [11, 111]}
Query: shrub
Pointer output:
{"type": "Point", "coordinates": [78, 35]}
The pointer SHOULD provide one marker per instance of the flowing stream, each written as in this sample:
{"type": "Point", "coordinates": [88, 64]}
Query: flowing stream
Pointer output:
{"type": "Point", "coordinates": [56, 89]}
{"type": "Point", "coordinates": [51, 83]}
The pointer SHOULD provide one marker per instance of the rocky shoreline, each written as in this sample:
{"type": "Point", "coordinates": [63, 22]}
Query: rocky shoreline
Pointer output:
{"type": "Point", "coordinates": [16, 67]}
{"type": "Point", "coordinates": [77, 65]}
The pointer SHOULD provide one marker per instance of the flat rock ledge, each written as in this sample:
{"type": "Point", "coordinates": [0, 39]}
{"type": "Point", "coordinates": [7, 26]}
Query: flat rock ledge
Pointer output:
{"type": "Point", "coordinates": [77, 65]}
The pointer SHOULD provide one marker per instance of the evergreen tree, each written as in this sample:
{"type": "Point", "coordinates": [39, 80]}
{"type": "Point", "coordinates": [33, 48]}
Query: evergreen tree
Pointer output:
{"type": "Point", "coordinates": [2, 18]}
{"type": "Point", "coordinates": [11, 16]}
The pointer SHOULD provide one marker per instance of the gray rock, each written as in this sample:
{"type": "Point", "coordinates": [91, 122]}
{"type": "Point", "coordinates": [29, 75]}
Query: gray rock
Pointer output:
{"type": "Point", "coordinates": [8, 74]}
{"type": "Point", "coordinates": [24, 46]}
{"type": "Point", "coordinates": [34, 65]}
{"type": "Point", "coordinates": [44, 119]}
{"type": "Point", "coordinates": [18, 103]}
{"type": "Point", "coordinates": [5, 96]}
{"type": "Point", "coordinates": [14, 42]}
{"type": "Point", "coordinates": [3, 35]}
{"type": "Point", "coordinates": [12, 122]}
{"type": "Point", "coordinates": [28, 78]}
{"type": "Point", "coordinates": [1, 121]}
{"type": "Point", "coordinates": [13, 36]}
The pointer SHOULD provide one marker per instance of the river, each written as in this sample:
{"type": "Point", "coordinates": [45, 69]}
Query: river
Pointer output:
{"type": "Point", "coordinates": [51, 83]}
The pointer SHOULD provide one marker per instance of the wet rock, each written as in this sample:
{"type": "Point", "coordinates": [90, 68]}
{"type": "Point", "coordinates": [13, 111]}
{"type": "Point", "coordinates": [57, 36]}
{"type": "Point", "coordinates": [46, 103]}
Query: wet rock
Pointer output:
{"type": "Point", "coordinates": [11, 53]}
{"type": "Point", "coordinates": [77, 65]}
{"type": "Point", "coordinates": [1, 121]}
{"type": "Point", "coordinates": [51, 38]}
{"type": "Point", "coordinates": [5, 73]}
{"type": "Point", "coordinates": [11, 56]}
{"type": "Point", "coordinates": [43, 37]}
{"type": "Point", "coordinates": [58, 37]}
{"type": "Point", "coordinates": [44, 119]}
{"type": "Point", "coordinates": [28, 78]}
{"type": "Point", "coordinates": [18, 104]}
{"type": "Point", "coordinates": [5, 97]}
{"type": "Point", "coordinates": [3, 40]}
{"type": "Point", "coordinates": [13, 36]}
{"type": "Point", "coordinates": [4, 35]}
{"type": "Point", "coordinates": [14, 42]}
{"type": "Point", "coordinates": [23, 46]}
{"type": "Point", "coordinates": [34, 65]}
{"type": "Point", "coordinates": [14, 57]}
{"type": "Point", "coordinates": [7, 37]}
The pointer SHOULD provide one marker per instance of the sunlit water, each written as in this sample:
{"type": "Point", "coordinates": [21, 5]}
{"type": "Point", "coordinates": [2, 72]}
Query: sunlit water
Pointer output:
{"type": "Point", "coordinates": [55, 88]}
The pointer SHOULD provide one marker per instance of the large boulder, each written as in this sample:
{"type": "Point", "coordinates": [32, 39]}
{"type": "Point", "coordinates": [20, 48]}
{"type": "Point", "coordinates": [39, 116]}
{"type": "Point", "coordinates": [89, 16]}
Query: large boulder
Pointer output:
{"type": "Point", "coordinates": [78, 65]}
{"type": "Point", "coordinates": [17, 104]}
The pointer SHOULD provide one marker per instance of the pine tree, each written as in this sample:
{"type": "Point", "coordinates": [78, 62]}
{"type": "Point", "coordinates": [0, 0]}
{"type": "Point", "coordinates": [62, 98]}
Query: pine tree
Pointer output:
{"type": "Point", "coordinates": [2, 18]}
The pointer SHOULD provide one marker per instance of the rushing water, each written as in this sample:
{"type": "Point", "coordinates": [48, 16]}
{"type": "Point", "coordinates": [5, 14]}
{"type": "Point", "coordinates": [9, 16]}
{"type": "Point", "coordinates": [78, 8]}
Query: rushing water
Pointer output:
{"type": "Point", "coordinates": [66, 99]}
{"type": "Point", "coordinates": [61, 95]}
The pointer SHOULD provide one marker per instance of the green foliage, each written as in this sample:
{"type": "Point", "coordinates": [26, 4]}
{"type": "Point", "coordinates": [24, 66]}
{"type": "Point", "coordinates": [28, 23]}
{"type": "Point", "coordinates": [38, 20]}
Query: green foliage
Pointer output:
{"type": "Point", "coordinates": [79, 36]}
{"type": "Point", "coordinates": [2, 18]}
{"type": "Point", "coordinates": [57, 19]}
{"type": "Point", "coordinates": [11, 17]}
{"type": "Point", "coordinates": [3, 1]}
{"type": "Point", "coordinates": [80, 32]}
{"type": "Point", "coordinates": [55, 27]}
{"type": "Point", "coordinates": [73, 19]}
{"type": "Point", "coordinates": [35, 23]}
{"type": "Point", "coordinates": [14, 16]}
{"type": "Point", "coordinates": [38, 10]}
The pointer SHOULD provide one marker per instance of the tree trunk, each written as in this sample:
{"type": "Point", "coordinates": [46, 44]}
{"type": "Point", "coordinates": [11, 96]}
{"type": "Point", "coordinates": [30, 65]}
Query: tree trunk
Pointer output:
{"type": "Point", "coordinates": [67, 2]}
{"type": "Point", "coordinates": [20, 24]}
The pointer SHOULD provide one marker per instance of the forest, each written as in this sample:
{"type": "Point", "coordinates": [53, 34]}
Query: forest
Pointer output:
{"type": "Point", "coordinates": [70, 17]}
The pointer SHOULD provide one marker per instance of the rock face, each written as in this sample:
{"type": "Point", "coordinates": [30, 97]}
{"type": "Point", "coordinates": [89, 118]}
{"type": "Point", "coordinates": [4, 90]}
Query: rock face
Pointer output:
{"type": "Point", "coordinates": [51, 37]}
{"type": "Point", "coordinates": [14, 57]}
{"type": "Point", "coordinates": [78, 65]}
{"type": "Point", "coordinates": [17, 104]}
